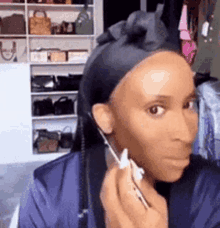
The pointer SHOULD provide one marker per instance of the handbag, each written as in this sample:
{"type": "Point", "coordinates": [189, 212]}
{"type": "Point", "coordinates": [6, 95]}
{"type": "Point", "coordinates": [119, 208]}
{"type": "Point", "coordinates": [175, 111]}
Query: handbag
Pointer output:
{"type": "Point", "coordinates": [59, 1]}
{"type": "Point", "coordinates": [57, 56]}
{"type": "Point", "coordinates": [13, 50]}
{"type": "Point", "coordinates": [78, 56]}
{"type": "Point", "coordinates": [18, 1]}
{"type": "Point", "coordinates": [40, 55]}
{"type": "Point", "coordinates": [82, 1]}
{"type": "Point", "coordinates": [14, 24]}
{"type": "Point", "coordinates": [66, 138]}
{"type": "Point", "coordinates": [83, 23]}
{"type": "Point", "coordinates": [43, 107]}
{"type": "Point", "coordinates": [47, 141]}
{"type": "Point", "coordinates": [67, 28]}
{"type": "Point", "coordinates": [40, 25]}
{"type": "Point", "coordinates": [43, 83]}
{"type": "Point", "coordinates": [37, 1]}
{"type": "Point", "coordinates": [63, 106]}
{"type": "Point", "coordinates": [68, 83]}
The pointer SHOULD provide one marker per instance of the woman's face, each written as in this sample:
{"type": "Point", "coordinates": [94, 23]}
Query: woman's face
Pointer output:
{"type": "Point", "coordinates": [154, 114]}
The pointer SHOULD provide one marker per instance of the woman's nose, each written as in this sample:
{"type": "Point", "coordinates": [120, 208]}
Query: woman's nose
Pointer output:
{"type": "Point", "coordinates": [185, 128]}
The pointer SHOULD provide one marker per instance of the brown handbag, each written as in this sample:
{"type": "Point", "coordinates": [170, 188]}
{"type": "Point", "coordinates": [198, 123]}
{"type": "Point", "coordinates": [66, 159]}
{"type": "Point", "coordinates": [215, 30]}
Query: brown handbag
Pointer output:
{"type": "Point", "coordinates": [47, 141]}
{"type": "Point", "coordinates": [40, 25]}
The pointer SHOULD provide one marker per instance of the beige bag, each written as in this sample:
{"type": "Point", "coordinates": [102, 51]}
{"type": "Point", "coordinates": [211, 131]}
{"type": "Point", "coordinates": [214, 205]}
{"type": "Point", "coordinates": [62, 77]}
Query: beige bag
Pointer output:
{"type": "Point", "coordinates": [40, 25]}
{"type": "Point", "coordinates": [57, 56]}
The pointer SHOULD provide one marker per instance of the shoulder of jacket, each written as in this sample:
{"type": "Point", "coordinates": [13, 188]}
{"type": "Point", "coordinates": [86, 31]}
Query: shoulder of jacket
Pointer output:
{"type": "Point", "coordinates": [57, 164]}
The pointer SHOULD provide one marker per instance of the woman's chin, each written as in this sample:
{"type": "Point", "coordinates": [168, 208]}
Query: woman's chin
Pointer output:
{"type": "Point", "coordinates": [175, 176]}
{"type": "Point", "coordinates": [171, 176]}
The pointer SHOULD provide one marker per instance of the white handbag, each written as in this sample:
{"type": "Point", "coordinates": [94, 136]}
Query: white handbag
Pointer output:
{"type": "Point", "coordinates": [13, 50]}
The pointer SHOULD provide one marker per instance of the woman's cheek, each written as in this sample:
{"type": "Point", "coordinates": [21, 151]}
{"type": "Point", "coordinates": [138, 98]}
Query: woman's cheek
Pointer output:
{"type": "Point", "coordinates": [193, 122]}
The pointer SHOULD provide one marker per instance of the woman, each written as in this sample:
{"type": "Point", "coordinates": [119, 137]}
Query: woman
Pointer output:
{"type": "Point", "coordinates": [141, 94]}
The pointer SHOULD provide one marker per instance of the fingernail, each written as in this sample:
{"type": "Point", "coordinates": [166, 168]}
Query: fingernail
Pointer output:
{"type": "Point", "coordinates": [137, 172]}
{"type": "Point", "coordinates": [124, 159]}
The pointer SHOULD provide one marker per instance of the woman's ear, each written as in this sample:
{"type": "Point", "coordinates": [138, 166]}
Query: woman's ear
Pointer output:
{"type": "Point", "coordinates": [103, 117]}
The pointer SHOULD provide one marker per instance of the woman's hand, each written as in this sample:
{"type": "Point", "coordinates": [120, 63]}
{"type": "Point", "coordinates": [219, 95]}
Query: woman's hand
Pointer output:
{"type": "Point", "coordinates": [122, 206]}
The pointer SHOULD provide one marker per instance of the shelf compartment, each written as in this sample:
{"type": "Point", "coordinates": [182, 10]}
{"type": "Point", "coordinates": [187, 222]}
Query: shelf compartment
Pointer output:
{"type": "Point", "coordinates": [54, 117]}
{"type": "Point", "coordinates": [54, 93]}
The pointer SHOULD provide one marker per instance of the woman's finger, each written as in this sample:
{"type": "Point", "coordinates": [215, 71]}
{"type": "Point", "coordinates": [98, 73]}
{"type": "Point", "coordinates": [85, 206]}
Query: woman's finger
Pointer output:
{"type": "Point", "coordinates": [115, 217]}
{"type": "Point", "coordinates": [130, 202]}
{"type": "Point", "coordinates": [132, 205]}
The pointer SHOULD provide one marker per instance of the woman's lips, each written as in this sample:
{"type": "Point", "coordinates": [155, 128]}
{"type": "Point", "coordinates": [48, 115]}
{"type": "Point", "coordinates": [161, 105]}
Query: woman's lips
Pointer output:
{"type": "Point", "coordinates": [178, 162]}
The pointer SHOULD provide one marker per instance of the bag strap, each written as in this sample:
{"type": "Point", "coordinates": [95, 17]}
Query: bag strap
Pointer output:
{"type": "Point", "coordinates": [70, 129]}
{"type": "Point", "coordinates": [42, 11]}
{"type": "Point", "coordinates": [83, 15]}
{"type": "Point", "coordinates": [86, 4]}
{"type": "Point", "coordinates": [13, 51]}
{"type": "Point", "coordinates": [63, 98]}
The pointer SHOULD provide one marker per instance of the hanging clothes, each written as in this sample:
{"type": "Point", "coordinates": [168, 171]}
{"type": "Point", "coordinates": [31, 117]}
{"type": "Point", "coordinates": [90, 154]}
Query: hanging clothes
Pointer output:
{"type": "Point", "coordinates": [208, 52]}
{"type": "Point", "coordinates": [207, 143]}
{"type": "Point", "coordinates": [188, 45]}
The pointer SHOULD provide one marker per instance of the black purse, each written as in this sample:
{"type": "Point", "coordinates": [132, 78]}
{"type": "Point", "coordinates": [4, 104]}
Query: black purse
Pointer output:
{"type": "Point", "coordinates": [59, 1]}
{"type": "Point", "coordinates": [66, 138]}
{"type": "Point", "coordinates": [18, 1]}
{"type": "Point", "coordinates": [43, 83]}
{"type": "Point", "coordinates": [71, 82]}
{"type": "Point", "coordinates": [43, 107]}
{"type": "Point", "coordinates": [64, 106]}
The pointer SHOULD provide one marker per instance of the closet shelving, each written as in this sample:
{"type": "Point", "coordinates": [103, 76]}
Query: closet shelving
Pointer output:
{"type": "Point", "coordinates": [57, 13]}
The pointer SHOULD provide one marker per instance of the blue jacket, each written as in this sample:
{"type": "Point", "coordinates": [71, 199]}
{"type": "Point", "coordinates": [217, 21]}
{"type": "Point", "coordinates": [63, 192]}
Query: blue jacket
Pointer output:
{"type": "Point", "coordinates": [56, 195]}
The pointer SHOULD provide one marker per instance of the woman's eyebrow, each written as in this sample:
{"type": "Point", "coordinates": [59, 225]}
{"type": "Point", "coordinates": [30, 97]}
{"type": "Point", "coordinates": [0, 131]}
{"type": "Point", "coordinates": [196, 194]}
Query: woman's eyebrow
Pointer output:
{"type": "Point", "coordinates": [193, 94]}
{"type": "Point", "coordinates": [166, 97]}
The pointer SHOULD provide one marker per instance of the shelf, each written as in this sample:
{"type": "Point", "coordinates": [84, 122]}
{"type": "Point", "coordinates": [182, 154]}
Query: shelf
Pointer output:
{"type": "Point", "coordinates": [12, 36]}
{"type": "Point", "coordinates": [53, 93]}
{"type": "Point", "coordinates": [61, 151]}
{"type": "Point", "coordinates": [46, 36]}
{"type": "Point", "coordinates": [54, 117]}
{"type": "Point", "coordinates": [57, 63]}
{"type": "Point", "coordinates": [61, 36]}
{"type": "Point", "coordinates": [12, 6]}
{"type": "Point", "coordinates": [58, 7]}
{"type": "Point", "coordinates": [57, 13]}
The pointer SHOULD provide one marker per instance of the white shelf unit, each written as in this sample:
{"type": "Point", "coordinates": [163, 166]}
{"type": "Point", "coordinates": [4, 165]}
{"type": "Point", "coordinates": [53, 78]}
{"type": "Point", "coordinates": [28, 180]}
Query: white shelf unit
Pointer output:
{"type": "Point", "coordinates": [57, 13]}
{"type": "Point", "coordinates": [54, 93]}
{"type": "Point", "coordinates": [50, 117]}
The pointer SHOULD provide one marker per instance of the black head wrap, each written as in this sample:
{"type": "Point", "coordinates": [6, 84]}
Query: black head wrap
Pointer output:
{"type": "Point", "coordinates": [123, 46]}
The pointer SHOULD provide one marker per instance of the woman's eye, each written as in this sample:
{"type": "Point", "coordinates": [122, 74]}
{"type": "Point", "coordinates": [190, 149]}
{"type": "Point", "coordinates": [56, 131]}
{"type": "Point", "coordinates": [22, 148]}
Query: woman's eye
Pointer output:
{"type": "Point", "coordinates": [156, 110]}
{"type": "Point", "coordinates": [191, 105]}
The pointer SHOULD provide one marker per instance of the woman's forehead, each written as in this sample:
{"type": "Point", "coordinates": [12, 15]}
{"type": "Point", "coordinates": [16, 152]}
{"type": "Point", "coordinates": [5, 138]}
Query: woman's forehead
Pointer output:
{"type": "Point", "coordinates": [163, 72]}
